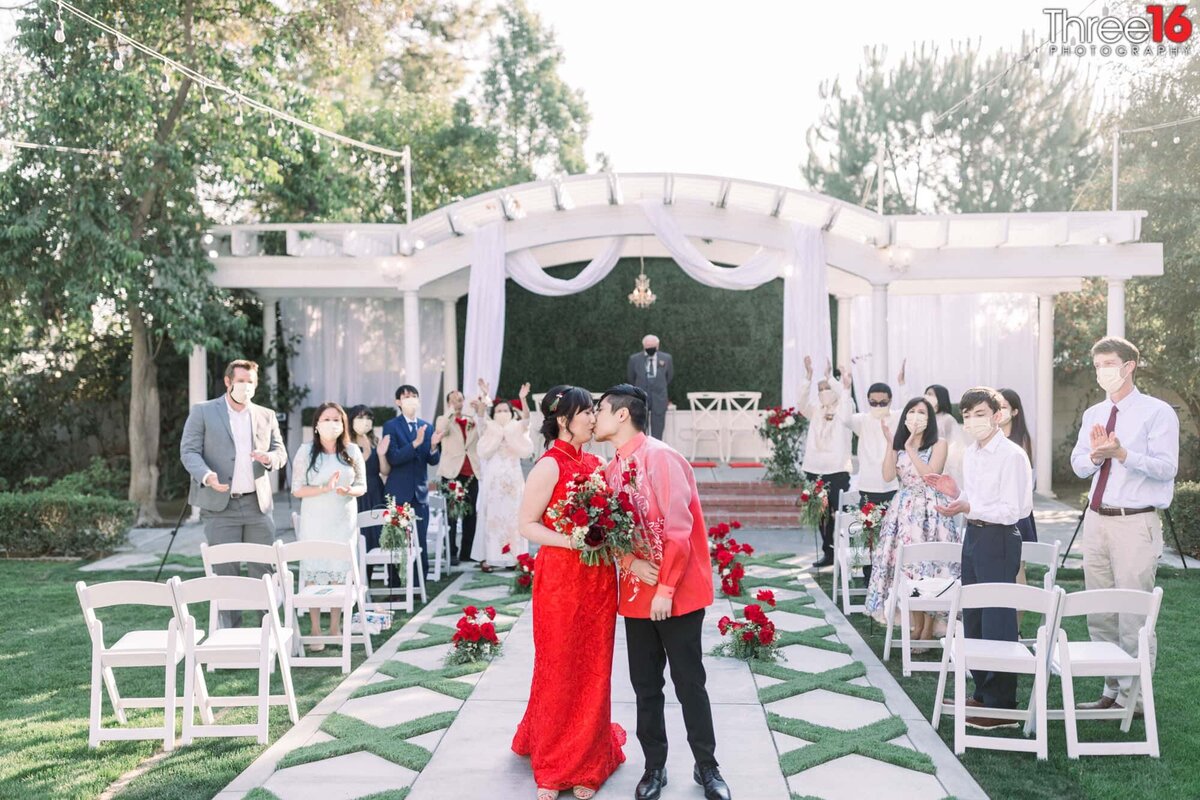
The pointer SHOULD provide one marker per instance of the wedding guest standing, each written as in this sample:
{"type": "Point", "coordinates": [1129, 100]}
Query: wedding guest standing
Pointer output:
{"type": "Point", "coordinates": [229, 447]}
{"type": "Point", "coordinates": [1012, 425]}
{"type": "Point", "coordinates": [874, 443]}
{"type": "Point", "coordinates": [948, 429]}
{"type": "Point", "coordinates": [411, 451]}
{"type": "Point", "coordinates": [505, 441]}
{"type": "Point", "coordinates": [362, 420]}
{"type": "Point", "coordinates": [827, 448]}
{"type": "Point", "coordinates": [460, 464]}
{"type": "Point", "coordinates": [651, 370]}
{"type": "Point", "coordinates": [328, 475]}
{"type": "Point", "coordinates": [997, 492]}
{"type": "Point", "coordinates": [1129, 446]}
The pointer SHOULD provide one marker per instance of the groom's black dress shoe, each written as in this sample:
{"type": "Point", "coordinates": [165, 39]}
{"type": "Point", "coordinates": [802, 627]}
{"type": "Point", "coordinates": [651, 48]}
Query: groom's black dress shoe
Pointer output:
{"type": "Point", "coordinates": [651, 784]}
{"type": "Point", "coordinates": [826, 561]}
{"type": "Point", "coordinates": [714, 785]}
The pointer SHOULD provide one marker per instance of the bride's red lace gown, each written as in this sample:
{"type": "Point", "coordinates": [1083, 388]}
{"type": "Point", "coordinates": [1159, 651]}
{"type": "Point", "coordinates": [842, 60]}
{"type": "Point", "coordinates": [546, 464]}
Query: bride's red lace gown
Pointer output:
{"type": "Point", "coordinates": [567, 730]}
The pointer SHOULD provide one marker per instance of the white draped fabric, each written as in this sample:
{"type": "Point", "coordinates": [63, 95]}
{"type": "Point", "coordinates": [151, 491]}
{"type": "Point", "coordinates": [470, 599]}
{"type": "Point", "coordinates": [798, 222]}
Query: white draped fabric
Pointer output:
{"type": "Point", "coordinates": [351, 350]}
{"type": "Point", "coordinates": [806, 328]}
{"type": "Point", "coordinates": [959, 341]}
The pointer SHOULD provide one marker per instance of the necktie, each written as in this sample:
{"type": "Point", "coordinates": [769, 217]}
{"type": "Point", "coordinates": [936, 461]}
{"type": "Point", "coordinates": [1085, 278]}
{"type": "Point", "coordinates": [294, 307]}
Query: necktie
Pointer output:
{"type": "Point", "coordinates": [1105, 468]}
{"type": "Point", "coordinates": [651, 367]}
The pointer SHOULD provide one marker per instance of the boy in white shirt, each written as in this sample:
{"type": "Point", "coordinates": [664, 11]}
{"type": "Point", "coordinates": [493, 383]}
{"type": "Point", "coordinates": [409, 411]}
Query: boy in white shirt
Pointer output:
{"type": "Point", "coordinates": [827, 446]}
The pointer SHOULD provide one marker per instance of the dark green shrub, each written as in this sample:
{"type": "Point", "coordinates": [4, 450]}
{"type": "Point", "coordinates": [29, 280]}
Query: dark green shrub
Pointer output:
{"type": "Point", "coordinates": [51, 523]}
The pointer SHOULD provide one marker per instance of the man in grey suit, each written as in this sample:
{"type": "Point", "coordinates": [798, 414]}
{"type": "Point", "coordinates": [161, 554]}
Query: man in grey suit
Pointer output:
{"type": "Point", "coordinates": [229, 447]}
{"type": "Point", "coordinates": [652, 370]}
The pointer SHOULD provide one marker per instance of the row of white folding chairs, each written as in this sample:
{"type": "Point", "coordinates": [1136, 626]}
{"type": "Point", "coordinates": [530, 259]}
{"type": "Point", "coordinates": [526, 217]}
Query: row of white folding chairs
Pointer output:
{"type": "Point", "coordinates": [279, 558]}
{"type": "Point", "coordinates": [721, 416]}
{"type": "Point", "coordinates": [1052, 652]}
{"type": "Point", "coordinates": [250, 648]}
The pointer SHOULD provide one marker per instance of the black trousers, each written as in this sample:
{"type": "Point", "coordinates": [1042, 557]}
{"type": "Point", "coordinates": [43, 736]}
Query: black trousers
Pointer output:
{"type": "Point", "coordinates": [653, 645]}
{"type": "Point", "coordinates": [992, 554]}
{"type": "Point", "coordinates": [836, 483]}
{"type": "Point", "coordinates": [465, 524]}
{"type": "Point", "coordinates": [875, 497]}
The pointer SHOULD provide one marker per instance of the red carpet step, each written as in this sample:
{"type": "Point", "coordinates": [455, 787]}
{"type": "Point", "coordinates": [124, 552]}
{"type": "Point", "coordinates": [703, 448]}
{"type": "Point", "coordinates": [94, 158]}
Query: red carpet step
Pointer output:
{"type": "Point", "coordinates": [755, 504]}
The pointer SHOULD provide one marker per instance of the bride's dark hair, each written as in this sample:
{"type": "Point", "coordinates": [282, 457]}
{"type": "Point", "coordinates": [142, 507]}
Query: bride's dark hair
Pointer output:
{"type": "Point", "coordinates": [565, 402]}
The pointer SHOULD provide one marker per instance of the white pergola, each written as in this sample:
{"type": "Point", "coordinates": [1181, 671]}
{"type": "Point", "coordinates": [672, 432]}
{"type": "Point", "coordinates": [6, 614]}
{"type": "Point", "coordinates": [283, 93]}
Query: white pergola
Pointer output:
{"type": "Point", "coordinates": [565, 221]}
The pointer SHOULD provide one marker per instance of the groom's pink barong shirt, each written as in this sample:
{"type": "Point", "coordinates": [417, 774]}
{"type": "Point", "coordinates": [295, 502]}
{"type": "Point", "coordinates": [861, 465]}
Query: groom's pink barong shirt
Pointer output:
{"type": "Point", "coordinates": [672, 525]}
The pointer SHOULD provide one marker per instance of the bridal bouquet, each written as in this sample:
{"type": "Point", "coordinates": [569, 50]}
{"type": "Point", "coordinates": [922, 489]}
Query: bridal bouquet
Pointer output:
{"type": "Point", "coordinates": [455, 492]}
{"type": "Point", "coordinates": [475, 637]}
{"type": "Point", "coordinates": [814, 503]}
{"type": "Point", "coordinates": [598, 521]}
{"type": "Point", "coordinates": [398, 525]}
{"type": "Point", "coordinates": [752, 637]}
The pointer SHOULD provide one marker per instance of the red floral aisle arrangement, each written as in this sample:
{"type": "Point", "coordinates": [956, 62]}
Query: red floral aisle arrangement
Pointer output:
{"type": "Point", "coordinates": [598, 521]}
{"type": "Point", "coordinates": [813, 503]}
{"type": "Point", "coordinates": [751, 638]}
{"type": "Point", "coordinates": [523, 583]}
{"type": "Point", "coordinates": [725, 552]}
{"type": "Point", "coordinates": [399, 522]}
{"type": "Point", "coordinates": [862, 535]}
{"type": "Point", "coordinates": [475, 637]}
{"type": "Point", "coordinates": [784, 428]}
{"type": "Point", "coordinates": [455, 492]}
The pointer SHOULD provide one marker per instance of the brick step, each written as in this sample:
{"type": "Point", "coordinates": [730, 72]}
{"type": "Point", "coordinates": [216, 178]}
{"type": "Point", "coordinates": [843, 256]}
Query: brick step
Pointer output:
{"type": "Point", "coordinates": [752, 519]}
{"type": "Point", "coordinates": [748, 502]}
{"type": "Point", "coordinates": [751, 488]}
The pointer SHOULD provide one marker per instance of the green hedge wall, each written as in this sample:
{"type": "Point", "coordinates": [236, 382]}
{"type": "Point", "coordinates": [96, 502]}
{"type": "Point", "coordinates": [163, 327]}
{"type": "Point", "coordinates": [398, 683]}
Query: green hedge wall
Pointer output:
{"type": "Point", "coordinates": [720, 340]}
{"type": "Point", "coordinates": [1185, 511]}
{"type": "Point", "coordinates": [56, 523]}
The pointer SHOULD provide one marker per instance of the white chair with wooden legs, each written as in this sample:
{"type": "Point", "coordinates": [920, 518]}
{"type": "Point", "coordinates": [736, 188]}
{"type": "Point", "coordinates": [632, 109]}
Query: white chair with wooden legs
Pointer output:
{"type": "Point", "coordinates": [707, 409]}
{"type": "Point", "coordinates": [405, 562]}
{"type": "Point", "coordinates": [237, 553]}
{"type": "Point", "coordinates": [1095, 659]}
{"type": "Point", "coordinates": [933, 596]}
{"type": "Point", "coordinates": [437, 539]}
{"type": "Point", "coordinates": [250, 648]}
{"type": "Point", "coordinates": [961, 654]}
{"type": "Point", "coordinates": [345, 597]}
{"type": "Point", "coordinates": [162, 647]}
{"type": "Point", "coordinates": [742, 417]}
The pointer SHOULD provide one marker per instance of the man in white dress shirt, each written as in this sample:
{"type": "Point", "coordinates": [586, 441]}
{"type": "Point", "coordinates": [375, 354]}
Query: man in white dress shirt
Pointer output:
{"type": "Point", "coordinates": [873, 445]}
{"type": "Point", "coordinates": [997, 491]}
{"type": "Point", "coordinates": [827, 443]}
{"type": "Point", "coordinates": [1129, 445]}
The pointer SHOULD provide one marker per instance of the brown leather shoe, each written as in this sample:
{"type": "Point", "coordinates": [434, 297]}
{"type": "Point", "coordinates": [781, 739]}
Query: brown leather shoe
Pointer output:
{"type": "Point", "coordinates": [1105, 702]}
{"type": "Point", "coordinates": [990, 724]}
{"type": "Point", "coordinates": [973, 703]}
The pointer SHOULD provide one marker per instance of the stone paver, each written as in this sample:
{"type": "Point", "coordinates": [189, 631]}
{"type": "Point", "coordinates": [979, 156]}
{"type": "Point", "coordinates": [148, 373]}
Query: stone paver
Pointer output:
{"type": "Point", "coordinates": [832, 710]}
{"type": "Point", "coordinates": [342, 778]}
{"type": "Point", "coordinates": [848, 778]}
{"type": "Point", "coordinates": [392, 708]}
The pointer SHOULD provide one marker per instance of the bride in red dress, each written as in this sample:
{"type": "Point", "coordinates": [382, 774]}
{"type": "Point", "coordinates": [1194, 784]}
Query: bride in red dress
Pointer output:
{"type": "Point", "coordinates": [568, 731]}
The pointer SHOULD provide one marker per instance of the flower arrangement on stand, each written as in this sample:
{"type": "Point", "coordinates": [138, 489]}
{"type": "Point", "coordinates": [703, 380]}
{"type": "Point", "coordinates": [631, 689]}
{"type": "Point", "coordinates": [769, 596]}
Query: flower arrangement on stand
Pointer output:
{"type": "Point", "coordinates": [784, 428]}
{"type": "Point", "coordinates": [399, 522]}
{"type": "Point", "coordinates": [475, 637]}
{"type": "Point", "coordinates": [455, 491]}
{"type": "Point", "coordinates": [813, 503]}
{"type": "Point", "coordinates": [751, 638]}
{"type": "Point", "coordinates": [598, 521]}
{"type": "Point", "coordinates": [523, 583]}
{"type": "Point", "coordinates": [725, 550]}
{"type": "Point", "coordinates": [862, 535]}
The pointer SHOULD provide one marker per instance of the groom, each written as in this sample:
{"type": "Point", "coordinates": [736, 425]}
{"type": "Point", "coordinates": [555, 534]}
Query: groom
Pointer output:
{"type": "Point", "coordinates": [664, 589]}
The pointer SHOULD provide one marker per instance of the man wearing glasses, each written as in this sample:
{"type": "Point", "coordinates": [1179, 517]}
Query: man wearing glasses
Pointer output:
{"type": "Point", "coordinates": [873, 445]}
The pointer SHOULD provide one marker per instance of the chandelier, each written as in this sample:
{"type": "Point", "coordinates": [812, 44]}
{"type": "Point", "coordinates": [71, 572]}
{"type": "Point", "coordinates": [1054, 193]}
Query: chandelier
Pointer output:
{"type": "Point", "coordinates": [641, 296]}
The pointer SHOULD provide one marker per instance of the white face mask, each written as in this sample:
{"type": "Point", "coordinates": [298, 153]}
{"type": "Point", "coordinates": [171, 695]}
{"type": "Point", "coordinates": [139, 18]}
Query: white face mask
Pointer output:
{"type": "Point", "coordinates": [503, 416]}
{"type": "Point", "coordinates": [242, 393]}
{"type": "Point", "coordinates": [827, 397]}
{"type": "Point", "coordinates": [880, 412]}
{"type": "Point", "coordinates": [978, 427]}
{"type": "Point", "coordinates": [363, 425]}
{"type": "Point", "coordinates": [409, 406]}
{"type": "Point", "coordinates": [1005, 417]}
{"type": "Point", "coordinates": [329, 429]}
{"type": "Point", "coordinates": [1110, 379]}
{"type": "Point", "coordinates": [916, 422]}
{"type": "Point", "coordinates": [933, 401]}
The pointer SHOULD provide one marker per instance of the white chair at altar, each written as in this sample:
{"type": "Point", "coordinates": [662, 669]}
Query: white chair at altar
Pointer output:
{"type": "Point", "coordinates": [741, 417]}
{"type": "Point", "coordinates": [708, 420]}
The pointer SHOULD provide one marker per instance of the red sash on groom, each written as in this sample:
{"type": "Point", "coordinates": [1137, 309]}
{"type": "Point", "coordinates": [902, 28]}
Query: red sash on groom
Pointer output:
{"type": "Point", "coordinates": [664, 491]}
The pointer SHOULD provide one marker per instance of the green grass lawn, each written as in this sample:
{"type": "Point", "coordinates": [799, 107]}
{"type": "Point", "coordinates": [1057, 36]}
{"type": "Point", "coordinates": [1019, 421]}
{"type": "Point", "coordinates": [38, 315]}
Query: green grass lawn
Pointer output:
{"type": "Point", "coordinates": [45, 667]}
{"type": "Point", "coordinates": [1019, 775]}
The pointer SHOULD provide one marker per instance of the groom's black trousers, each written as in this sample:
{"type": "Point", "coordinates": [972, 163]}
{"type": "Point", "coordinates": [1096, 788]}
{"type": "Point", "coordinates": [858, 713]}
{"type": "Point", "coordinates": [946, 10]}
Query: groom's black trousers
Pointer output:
{"type": "Point", "coordinates": [651, 646]}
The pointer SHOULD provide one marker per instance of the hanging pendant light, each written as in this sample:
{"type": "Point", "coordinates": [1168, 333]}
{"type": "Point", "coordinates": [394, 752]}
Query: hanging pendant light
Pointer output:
{"type": "Point", "coordinates": [641, 296]}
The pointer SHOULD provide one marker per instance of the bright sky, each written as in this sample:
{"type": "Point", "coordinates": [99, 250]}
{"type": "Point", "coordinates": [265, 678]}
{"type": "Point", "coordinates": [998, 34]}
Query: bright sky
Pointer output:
{"type": "Point", "coordinates": [725, 88]}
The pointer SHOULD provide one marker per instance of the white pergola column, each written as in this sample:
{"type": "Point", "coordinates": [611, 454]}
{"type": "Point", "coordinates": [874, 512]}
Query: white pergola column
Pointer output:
{"type": "Point", "coordinates": [412, 338]}
{"type": "Point", "coordinates": [450, 342]}
{"type": "Point", "coordinates": [843, 330]}
{"type": "Point", "coordinates": [197, 376]}
{"type": "Point", "coordinates": [269, 330]}
{"type": "Point", "coordinates": [879, 332]}
{"type": "Point", "coordinates": [1116, 307]}
{"type": "Point", "coordinates": [1043, 436]}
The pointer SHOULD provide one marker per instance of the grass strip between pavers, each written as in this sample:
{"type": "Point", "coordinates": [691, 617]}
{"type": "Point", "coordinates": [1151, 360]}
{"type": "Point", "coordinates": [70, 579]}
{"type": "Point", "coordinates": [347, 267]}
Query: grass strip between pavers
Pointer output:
{"type": "Point", "coordinates": [813, 637]}
{"type": "Point", "coordinates": [802, 606]}
{"type": "Point", "coordinates": [458, 602]}
{"type": "Point", "coordinates": [437, 635]}
{"type": "Point", "coordinates": [353, 735]}
{"type": "Point", "coordinates": [829, 744]}
{"type": "Point", "coordinates": [259, 793]}
{"type": "Point", "coordinates": [390, 794]}
{"type": "Point", "coordinates": [795, 682]}
{"type": "Point", "coordinates": [406, 676]}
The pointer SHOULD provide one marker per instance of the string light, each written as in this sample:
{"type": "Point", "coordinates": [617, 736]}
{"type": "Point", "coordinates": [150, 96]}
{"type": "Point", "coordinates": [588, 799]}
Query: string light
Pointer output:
{"type": "Point", "coordinates": [117, 63]}
{"type": "Point", "coordinates": [205, 106]}
{"type": "Point", "coordinates": [60, 35]}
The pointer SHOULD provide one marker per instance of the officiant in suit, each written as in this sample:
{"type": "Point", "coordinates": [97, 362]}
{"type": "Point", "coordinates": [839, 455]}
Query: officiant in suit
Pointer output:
{"type": "Point", "coordinates": [413, 447]}
{"type": "Point", "coordinates": [229, 447]}
{"type": "Point", "coordinates": [651, 370]}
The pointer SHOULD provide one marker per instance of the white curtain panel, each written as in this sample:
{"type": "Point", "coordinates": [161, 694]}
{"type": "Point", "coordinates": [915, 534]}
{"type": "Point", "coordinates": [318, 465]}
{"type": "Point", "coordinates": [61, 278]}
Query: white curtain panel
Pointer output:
{"type": "Point", "coordinates": [958, 340]}
{"type": "Point", "coordinates": [351, 349]}
{"type": "Point", "coordinates": [484, 345]}
{"type": "Point", "coordinates": [528, 273]}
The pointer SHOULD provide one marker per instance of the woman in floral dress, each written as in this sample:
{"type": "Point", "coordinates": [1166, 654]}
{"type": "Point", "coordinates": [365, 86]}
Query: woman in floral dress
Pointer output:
{"type": "Point", "coordinates": [917, 450]}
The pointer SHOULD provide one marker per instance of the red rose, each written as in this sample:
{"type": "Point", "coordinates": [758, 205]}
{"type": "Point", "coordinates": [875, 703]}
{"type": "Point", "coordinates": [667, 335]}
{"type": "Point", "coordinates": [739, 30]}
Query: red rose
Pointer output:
{"type": "Point", "coordinates": [472, 633]}
{"type": "Point", "coordinates": [755, 614]}
{"type": "Point", "coordinates": [457, 637]}
{"type": "Point", "coordinates": [470, 611]}
{"type": "Point", "coordinates": [506, 549]}
{"type": "Point", "coordinates": [766, 635]}
{"type": "Point", "coordinates": [724, 528]}
{"type": "Point", "coordinates": [524, 580]}
{"type": "Point", "coordinates": [766, 596]}
{"type": "Point", "coordinates": [735, 524]}
{"type": "Point", "coordinates": [598, 501]}
{"type": "Point", "coordinates": [580, 517]}
{"type": "Point", "coordinates": [748, 636]}
{"type": "Point", "coordinates": [804, 496]}
{"type": "Point", "coordinates": [488, 631]}
{"type": "Point", "coordinates": [724, 557]}
{"type": "Point", "coordinates": [737, 571]}
{"type": "Point", "coordinates": [723, 625]}
{"type": "Point", "coordinates": [452, 486]}
{"type": "Point", "coordinates": [868, 508]}
{"type": "Point", "coordinates": [820, 485]}
{"type": "Point", "coordinates": [490, 611]}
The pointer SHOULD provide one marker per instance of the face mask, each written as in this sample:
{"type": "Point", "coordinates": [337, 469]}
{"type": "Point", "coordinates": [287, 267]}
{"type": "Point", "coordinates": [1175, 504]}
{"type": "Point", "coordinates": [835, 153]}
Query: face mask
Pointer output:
{"type": "Point", "coordinates": [878, 412]}
{"type": "Point", "coordinates": [650, 351]}
{"type": "Point", "coordinates": [242, 393]}
{"type": "Point", "coordinates": [1110, 379]}
{"type": "Point", "coordinates": [329, 429]}
{"type": "Point", "coordinates": [409, 406]}
{"type": "Point", "coordinates": [978, 427]}
{"type": "Point", "coordinates": [363, 425]}
{"type": "Point", "coordinates": [933, 402]}
{"type": "Point", "coordinates": [503, 417]}
{"type": "Point", "coordinates": [1005, 417]}
{"type": "Point", "coordinates": [916, 422]}
{"type": "Point", "coordinates": [827, 397]}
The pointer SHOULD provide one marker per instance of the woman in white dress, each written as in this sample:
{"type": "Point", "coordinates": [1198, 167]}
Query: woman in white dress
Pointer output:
{"type": "Point", "coordinates": [502, 445]}
{"type": "Point", "coordinates": [328, 475]}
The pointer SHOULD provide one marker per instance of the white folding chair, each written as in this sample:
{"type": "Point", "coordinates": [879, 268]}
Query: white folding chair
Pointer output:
{"type": "Point", "coordinates": [742, 417]}
{"type": "Point", "coordinates": [236, 553]}
{"type": "Point", "coordinates": [933, 596]}
{"type": "Point", "coordinates": [437, 539]}
{"type": "Point", "coordinates": [707, 411]}
{"type": "Point", "coordinates": [140, 648]}
{"type": "Point", "coordinates": [965, 654]}
{"type": "Point", "coordinates": [1094, 659]}
{"type": "Point", "coordinates": [404, 562]}
{"type": "Point", "coordinates": [1046, 555]}
{"type": "Point", "coordinates": [845, 524]}
{"type": "Point", "coordinates": [345, 596]}
{"type": "Point", "coordinates": [248, 647]}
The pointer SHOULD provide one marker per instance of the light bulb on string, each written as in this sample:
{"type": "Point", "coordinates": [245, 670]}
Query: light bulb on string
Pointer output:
{"type": "Point", "coordinates": [117, 63]}
{"type": "Point", "coordinates": [272, 130]}
{"type": "Point", "coordinates": [165, 86]}
{"type": "Point", "coordinates": [1004, 92]}
{"type": "Point", "coordinates": [336, 152]}
{"type": "Point", "coordinates": [1154, 142]}
{"type": "Point", "coordinates": [984, 109]}
{"type": "Point", "coordinates": [240, 119]}
{"type": "Point", "coordinates": [60, 35]}
{"type": "Point", "coordinates": [1175, 140]}
{"type": "Point", "coordinates": [316, 148]}
{"type": "Point", "coordinates": [295, 140]}
{"type": "Point", "coordinates": [205, 106]}
{"type": "Point", "coordinates": [353, 157]}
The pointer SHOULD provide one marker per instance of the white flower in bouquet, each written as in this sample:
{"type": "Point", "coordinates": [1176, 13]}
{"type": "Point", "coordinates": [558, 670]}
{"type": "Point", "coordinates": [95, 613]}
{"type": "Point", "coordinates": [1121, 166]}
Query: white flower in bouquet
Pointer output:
{"type": "Point", "coordinates": [787, 423]}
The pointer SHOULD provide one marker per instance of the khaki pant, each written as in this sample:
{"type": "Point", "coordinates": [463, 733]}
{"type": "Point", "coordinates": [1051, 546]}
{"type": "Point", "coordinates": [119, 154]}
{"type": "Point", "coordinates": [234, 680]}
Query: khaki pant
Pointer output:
{"type": "Point", "coordinates": [1120, 553]}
